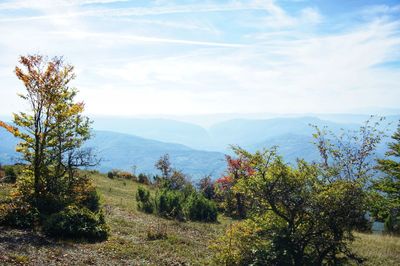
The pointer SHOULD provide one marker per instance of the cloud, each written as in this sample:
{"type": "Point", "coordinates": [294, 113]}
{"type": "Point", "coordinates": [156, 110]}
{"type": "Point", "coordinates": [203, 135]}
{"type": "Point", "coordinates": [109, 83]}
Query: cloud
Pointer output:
{"type": "Point", "coordinates": [252, 56]}
{"type": "Point", "coordinates": [44, 4]}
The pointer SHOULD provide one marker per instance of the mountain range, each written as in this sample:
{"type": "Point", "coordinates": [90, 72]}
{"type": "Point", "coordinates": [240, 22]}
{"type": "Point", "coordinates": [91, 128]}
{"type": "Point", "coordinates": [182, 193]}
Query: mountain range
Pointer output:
{"type": "Point", "coordinates": [127, 143]}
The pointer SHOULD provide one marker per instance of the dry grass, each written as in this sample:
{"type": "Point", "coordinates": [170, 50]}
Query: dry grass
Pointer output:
{"type": "Point", "coordinates": [185, 243]}
{"type": "Point", "coordinates": [129, 244]}
{"type": "Point", "coordinates": [377, 249]}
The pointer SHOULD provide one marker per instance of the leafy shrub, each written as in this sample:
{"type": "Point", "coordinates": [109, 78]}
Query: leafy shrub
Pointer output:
{"type": "Point", "coordinates": [198, 208]}
{"type": "Point", "coordinates": [120, 174]}
{"type": "Point", "coordinates": [18, 214]}
{"type": "Point", "coordinates": [111, 174]}
{"type": "Point", "coordinates": [169, 204]}
{"type": "Point", "coordinates": [126, 175]}
{"type": "Point", "coordinates": [143, 179]}
{"type": "Point", "coordinates": [10, 174]}
{"type": "Point", "coordinates": [243, 244]}
{"type": "Point", "coordinates": [392, 223]}
{"type": "Point", "coordinates": [144, 202]}
{"type": "Point", "coordinates": [76, 222]}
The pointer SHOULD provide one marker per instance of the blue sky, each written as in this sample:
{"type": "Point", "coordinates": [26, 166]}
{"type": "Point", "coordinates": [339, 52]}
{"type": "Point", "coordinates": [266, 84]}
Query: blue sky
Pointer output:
{"type": "Point", "coordinates": [203, 57]}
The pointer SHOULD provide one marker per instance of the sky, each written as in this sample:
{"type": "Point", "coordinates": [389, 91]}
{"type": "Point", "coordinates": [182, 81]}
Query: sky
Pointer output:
{"type": "Point", "coordinates": [205, 57]}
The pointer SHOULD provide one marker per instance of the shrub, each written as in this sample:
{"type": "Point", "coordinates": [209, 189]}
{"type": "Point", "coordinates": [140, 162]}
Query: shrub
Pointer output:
{"type": "Point", "coordinates": [143, 179]}
{"type": "Point", "coordinates": [10, 174]}
{"type": "Point", "coordinates": [243, 245]}
{"type": "Point", "coordinates": [392, 223]}
{"type": "Point", "coordinates": [169, 204]}
{"type": "Point", "coordinates": [76, 222]}
{"type": "Point", "coordinates": [144, 202]}
{"type": "Point", "coordinates": [110, 175]}
{"type": "Point", "coordinates": [198, 208]}
{"type": "Point", "coordinates": [126, 175]}
{"type": "Point", "coordinates": [18, 214]}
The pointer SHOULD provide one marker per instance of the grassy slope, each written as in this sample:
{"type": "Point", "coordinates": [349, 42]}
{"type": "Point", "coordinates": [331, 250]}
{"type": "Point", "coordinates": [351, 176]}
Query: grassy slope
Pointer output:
{"type": "Point", "coordinates": [128, 245]}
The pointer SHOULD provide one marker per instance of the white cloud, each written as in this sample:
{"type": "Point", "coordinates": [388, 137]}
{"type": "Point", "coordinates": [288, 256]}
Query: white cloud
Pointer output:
{"type": "Point", "coordinates": [198, 64]}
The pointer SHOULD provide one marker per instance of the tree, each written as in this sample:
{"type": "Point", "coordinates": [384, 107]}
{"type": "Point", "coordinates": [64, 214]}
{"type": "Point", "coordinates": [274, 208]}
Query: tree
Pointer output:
{"type": "Point", "coordinates": [53, 131]}
{"type": "Point", "coordinates": [238, 168]}
{"type": "Point", "coordinates": [171, 178]}
{"type": "Point", "coordinates": [388, 186]}
{"type": "Point", "coordinates": [295, 217]}
{"type": "Point", "coordinates": [206, 186]}
{"type": "Point", "coordinates": [349, 154]}
{"type": "Point", "coordinates": [302, 215]}
{"type": "Point", "coordinates": [164, 165]}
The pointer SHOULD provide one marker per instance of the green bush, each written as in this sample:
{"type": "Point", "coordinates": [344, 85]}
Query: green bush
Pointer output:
{"type": "Point", "coordinates": [169, 204]}
{"type": "Point", "coordinates": [18, 214]}
{"type": "Point", "coordinates": [144, 202]}
{"type": "Point", "coordinates": [198, 208]}
{"type": "Point", "coordinates": [143, 179]}
{"type": "Point", "coordinates": [111, 174]}
{"type": "Point", "coordinates": [10, 174]}
{"type": "Point", "coordinates": [76, 223]}
{"type": "Point", "coordinates": [392, 223]}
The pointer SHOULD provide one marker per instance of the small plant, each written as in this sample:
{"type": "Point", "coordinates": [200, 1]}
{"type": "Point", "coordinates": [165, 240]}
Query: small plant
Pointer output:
{"type": "Point", "coordinates": [144, 202]}
{"type": "Point", "coordinates": [157, 232]}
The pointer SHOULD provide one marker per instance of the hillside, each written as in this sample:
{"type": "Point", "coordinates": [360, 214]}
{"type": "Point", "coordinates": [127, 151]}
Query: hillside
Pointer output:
{"type": "Point", "coordinates": [124, 151]}
{"type": "Point", "coordinates": [186, 243]}
{"type": "Point", "coordinates": [166, 130]}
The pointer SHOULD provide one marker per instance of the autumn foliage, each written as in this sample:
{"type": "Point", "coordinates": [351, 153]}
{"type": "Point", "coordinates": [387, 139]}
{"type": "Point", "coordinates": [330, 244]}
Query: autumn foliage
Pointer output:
{"type": "Point", "coordinates": [51, 134]}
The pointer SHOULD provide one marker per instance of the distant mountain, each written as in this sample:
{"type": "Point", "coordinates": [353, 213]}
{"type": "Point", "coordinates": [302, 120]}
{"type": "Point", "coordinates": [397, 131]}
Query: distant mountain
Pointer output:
{"type": "Point", "coordinates": [250, 133]}
{"type": "Point", "coordinates": [199, 151]}
{"type": "Point", "coordinates": [166, 130]}
{"type": "Point", "coordinates": [123, 151]}
{"type": "Point", "coordinates": [8, 155]}
{"type": "Point", "coordinates": [291, 146]}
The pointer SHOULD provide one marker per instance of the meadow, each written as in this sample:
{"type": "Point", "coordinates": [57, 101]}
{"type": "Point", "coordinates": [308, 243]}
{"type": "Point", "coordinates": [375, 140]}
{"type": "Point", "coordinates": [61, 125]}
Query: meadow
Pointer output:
{"type": "Point", "coordinates": [184, 243]}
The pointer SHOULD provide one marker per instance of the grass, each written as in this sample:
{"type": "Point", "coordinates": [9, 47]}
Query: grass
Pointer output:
{"type": "Point", "coordinates": [185, 243]}
{"type": "Point", "coordinates": [377, 249]}
{"type": "Point", "coordinates": [129, 244]}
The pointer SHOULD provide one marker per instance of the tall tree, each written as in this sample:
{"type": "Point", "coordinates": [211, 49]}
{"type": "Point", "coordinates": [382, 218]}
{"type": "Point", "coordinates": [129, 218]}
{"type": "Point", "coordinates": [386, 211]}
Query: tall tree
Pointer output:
{"type": "Point", "coordinates": [53, 131]}
{"type": "Point", "coordinates": [388, 186]}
